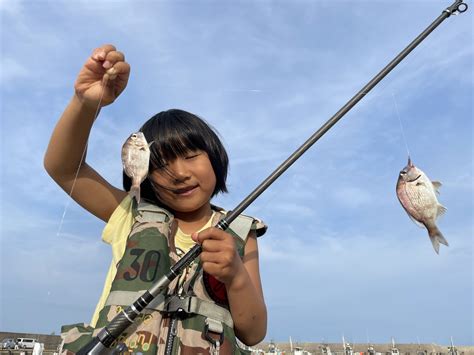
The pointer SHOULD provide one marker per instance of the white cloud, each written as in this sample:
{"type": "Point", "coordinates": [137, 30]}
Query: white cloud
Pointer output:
{"type": "Point", "coordinates": [12, 70]}
{"type": "Point", "coordinates": [11, 7]}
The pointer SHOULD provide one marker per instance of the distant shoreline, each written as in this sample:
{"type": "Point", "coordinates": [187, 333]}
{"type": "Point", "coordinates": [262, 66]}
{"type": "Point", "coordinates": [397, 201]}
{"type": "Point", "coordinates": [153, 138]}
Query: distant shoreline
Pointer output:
{"type": "Point", "coordinates": [51, 343]}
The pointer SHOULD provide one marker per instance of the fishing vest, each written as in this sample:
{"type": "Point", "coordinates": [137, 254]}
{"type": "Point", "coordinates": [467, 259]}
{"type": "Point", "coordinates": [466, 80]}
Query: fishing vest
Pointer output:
{"type": "Point", "coordinates": [191, 317]}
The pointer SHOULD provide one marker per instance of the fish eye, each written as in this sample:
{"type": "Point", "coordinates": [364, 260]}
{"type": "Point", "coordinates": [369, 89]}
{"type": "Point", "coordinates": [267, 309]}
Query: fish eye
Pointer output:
{"type": "Point", "coordinates": [134, 135]}
{"type": "Point", "coordinates": [403, 172]}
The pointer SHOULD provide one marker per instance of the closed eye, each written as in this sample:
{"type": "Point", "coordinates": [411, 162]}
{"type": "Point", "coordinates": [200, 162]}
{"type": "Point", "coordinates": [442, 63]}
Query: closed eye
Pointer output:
{"type": "Point", "coordinates": [192, 156]}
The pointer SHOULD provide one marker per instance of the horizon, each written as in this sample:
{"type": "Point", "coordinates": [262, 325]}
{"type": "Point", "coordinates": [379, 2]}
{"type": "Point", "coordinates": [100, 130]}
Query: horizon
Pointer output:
{"type": "Point", "coordinates": [290, 341]}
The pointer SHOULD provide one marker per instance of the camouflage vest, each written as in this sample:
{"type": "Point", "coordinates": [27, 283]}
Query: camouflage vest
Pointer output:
{"type": "Point", "coordinates": [193, 316]}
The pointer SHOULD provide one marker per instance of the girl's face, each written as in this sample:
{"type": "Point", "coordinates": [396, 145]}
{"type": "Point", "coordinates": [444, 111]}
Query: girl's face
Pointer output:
{"type": "Point", "coordinates": [187, 183]}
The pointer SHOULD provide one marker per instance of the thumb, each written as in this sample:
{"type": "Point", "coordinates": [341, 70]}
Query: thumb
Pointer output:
{"type": "Point", "coordinates": [195, 237]}
{"type": "Point", "coordinates": [110, 74]}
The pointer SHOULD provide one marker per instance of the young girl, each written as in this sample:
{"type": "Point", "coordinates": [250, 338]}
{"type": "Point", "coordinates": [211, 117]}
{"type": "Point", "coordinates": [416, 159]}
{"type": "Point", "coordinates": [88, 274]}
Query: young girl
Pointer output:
{"type": "Point", "coordinates": [215, 297]}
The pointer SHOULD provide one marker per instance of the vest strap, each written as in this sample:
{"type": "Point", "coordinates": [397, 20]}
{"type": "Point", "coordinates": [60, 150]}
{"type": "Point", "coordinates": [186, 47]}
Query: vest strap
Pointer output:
{"type": "Point", "coordinates": [148, 212]}
{"type": "Point", "coordinates": [191, 304]}
{"type": "Point", "coordinates": [125, 298]}
{"type": "Point", "coordinates": [241, 226]}
{"type": "Point", "coordinates": [213, 326]}
{"type": "Point", "coordinates": [171, 304]}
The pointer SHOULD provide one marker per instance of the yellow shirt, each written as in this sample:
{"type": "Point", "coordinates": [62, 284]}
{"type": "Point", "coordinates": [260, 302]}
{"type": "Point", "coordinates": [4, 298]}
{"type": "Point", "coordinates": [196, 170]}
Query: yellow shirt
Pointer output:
{"type": "Point", "coordinates": [184, 241]}
{"type": "Point", "coordinates": [116, 232]}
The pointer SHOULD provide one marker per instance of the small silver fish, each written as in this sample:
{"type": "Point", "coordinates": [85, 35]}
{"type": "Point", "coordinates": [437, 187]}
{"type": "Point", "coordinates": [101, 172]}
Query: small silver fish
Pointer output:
{"type": "Point", "coordinates": [135, 160]}
{"type": "Point", "coordinates": [417, 194]}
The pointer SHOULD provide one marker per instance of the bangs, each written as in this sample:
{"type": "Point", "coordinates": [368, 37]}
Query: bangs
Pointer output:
{"type": "Point", "coordinates": [174, 134]}
{"type": "Point", "coordinates": [171, 144]}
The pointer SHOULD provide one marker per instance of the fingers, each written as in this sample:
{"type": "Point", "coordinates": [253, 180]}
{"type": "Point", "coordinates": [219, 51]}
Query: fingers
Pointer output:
{"type": "Point", "coordinates": [217, 245]}
{"type": "Point", "coordinates": [119, 69]}
{"type": "Point", "coordinates": [105, 68]}
{"type": "Point", "coordinates": [209, 234]}
{"type": "Point", "coordinates": [100, 53]}
{"type": "Point", "coordinates": [219, 254]}
{"type": "Point", "coordinates": [111, 58]}
{"type": "Point", "coordinates": [112, 61]}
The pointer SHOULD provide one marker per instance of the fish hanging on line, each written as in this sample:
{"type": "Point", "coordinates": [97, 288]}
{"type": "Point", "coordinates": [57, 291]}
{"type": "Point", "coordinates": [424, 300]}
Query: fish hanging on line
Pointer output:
{"type": "Point", "coordinates": [135, 160]}
{"type": "Point", "coordinates": [417, 194]}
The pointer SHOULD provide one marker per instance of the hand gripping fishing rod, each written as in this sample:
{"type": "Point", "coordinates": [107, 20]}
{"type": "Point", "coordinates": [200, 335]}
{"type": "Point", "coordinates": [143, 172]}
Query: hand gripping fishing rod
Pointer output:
{"type": "Point", "coordinates": [102, 343]}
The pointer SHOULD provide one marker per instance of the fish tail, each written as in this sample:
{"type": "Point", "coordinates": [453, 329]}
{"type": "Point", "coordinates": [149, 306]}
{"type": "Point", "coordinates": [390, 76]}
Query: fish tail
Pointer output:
{"type": "Point", "coordinates": [436, 238]}
{"type": "Point", "coordinates": [135, 192]}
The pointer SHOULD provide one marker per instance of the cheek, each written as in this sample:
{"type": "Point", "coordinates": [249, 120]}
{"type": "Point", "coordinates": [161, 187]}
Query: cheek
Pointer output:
{"type": "Point", "coordinates": [209, 174]}
{"type": "Point", "coordinates": [158, 181]}
{"type": "Point", "coordinates": [158, 178]}
{"type": "Point", "coordinates": [214, 179]}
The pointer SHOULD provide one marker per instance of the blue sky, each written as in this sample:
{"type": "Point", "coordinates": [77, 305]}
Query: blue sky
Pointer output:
{"type": "Point", "coordinates": [340, 256]}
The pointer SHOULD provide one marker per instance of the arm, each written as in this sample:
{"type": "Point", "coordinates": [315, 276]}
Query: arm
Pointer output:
{"type": "Point", "coordinates": [246, 299]}
{"type": "Point", "coordinates": [100, 81]}
{"type": "Point", "coordinates": [241, 278]}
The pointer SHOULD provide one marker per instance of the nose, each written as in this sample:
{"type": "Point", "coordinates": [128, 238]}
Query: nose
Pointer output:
{"type": "Point", "coordinates": [179, 170]}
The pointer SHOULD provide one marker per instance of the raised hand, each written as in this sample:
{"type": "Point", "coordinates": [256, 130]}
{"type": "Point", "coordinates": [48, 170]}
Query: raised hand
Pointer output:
{"type": "Point", "coordinates": [103, 77]}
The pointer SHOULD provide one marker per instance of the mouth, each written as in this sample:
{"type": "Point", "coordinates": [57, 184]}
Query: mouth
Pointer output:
{"type": "Point", "coordinates": [185, 191]}
{"type": "Point", "coordinates": [415, 178]}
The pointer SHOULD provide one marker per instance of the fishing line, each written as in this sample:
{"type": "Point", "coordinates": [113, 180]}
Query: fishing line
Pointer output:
{"type": "Point", "coordinates": [400, 121]}
{"type": "Point", "coordinates": [103, 85]}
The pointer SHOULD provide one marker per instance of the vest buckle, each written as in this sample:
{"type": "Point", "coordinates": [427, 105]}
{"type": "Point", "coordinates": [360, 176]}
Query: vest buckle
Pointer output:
{"type": "Point", "coordinates": [178, 305]}
{"type": "Point", "coordinates": [216, 327]}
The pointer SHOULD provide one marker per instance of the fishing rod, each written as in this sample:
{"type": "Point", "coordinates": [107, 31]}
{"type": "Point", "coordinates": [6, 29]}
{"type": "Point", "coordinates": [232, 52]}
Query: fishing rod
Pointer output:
{"type": "Point", "coordinates": [101, 344]}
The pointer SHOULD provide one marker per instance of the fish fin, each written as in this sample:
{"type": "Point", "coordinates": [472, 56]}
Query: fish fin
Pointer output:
{"type": "Point", "coordinates": [135, 193]}
{"type": "Point", "coordinates": [436, 185]}
{"type": "Point", "coordinates": [441, 210]}
{"type": "Point", "coordinates": [419, 224]}
{"type": "Point", "coordinates": [442, 240]}
{"type": "Point", "coordinates": [436, 237]}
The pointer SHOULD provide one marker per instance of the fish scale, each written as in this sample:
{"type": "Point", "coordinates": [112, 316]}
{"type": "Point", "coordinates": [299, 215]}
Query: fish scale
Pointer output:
{"type": "Point", "coordinates": [422, 199]}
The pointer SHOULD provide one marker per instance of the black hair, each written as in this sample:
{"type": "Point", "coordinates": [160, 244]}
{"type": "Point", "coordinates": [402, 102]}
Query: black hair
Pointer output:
{"type": "Point", "coordinates": [174, 133]}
